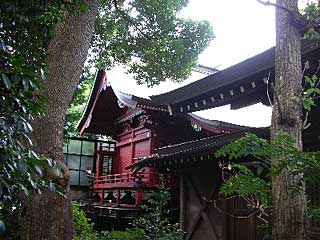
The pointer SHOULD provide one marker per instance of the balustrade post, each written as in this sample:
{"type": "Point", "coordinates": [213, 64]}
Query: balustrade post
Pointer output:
{"type": "Point", "coordinates": [139, 197]}
{"type": "Point", "coordinates": [118, 197]}
{"type": "Point", "coordinates": [102, 197]}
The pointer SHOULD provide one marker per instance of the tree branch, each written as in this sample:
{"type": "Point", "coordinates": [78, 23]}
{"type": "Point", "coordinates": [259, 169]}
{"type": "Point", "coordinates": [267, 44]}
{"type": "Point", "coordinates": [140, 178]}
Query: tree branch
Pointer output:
{"type": "Point", "coordinates": [268, 3]}
{"type": "Point", "coordinates": [298, 20]}
{"type": "Point", "coordinates": [268, 94]}
{"type": "Point", "coordinates": [128, 19]}
{"type": "Point", "coordinates": [305, 124]}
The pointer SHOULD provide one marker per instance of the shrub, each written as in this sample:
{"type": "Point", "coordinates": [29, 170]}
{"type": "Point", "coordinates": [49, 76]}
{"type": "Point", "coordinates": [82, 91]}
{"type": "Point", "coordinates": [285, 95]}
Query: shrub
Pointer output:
{"type": "Point", "coordinates": [155, 223]}
{"type": "Point", "coordinates": [82, 226]}
{"type": "Point", "coordinates": [129, 234]}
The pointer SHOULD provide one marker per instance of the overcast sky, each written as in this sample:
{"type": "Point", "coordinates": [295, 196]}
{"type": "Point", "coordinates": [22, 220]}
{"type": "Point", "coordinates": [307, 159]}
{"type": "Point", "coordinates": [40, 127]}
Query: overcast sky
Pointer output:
{"type": "Point", "coordinates": [243, 28]}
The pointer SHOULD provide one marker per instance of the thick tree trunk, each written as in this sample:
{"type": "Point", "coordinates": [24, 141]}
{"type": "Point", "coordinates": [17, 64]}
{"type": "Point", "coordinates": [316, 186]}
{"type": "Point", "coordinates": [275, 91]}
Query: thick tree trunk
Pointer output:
{"type": "Point", "coordinates": [289, 213]}
{"type": "Point", "coordinates": [48, 215]}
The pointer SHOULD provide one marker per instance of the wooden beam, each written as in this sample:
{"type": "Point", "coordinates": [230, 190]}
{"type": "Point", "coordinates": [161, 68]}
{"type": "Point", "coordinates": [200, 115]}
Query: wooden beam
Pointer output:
{"type": "Point", "coordinates": [182, 202]}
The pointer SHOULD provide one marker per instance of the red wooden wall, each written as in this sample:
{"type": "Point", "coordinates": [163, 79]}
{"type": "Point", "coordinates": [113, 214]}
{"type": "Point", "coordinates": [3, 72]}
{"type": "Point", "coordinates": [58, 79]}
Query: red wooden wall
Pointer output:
{"type": "Point", "coordinates": [133, 144]}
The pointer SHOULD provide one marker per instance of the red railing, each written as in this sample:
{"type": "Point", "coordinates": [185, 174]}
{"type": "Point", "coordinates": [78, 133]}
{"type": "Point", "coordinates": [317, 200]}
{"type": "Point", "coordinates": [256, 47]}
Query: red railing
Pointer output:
{"type": "Point", "coordinates": [128, 180]}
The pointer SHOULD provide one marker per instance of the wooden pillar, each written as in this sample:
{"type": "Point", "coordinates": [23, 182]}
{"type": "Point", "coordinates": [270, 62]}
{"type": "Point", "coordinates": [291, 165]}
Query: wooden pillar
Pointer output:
{"type": "Point", "coordinates": [102, 197]}
{"type": "Point", "coordinates": [152, 141]}
{"type": "Point", "coordinates": [139, 197]}
{"type": "Point", "coordinates": [181, 201]}
{"type": "Point", "coordinates": [118, 197]}
{"type": "Point", "coordinates": [132, 145]}
{"type": "Point", "coordinates": [99, 161]}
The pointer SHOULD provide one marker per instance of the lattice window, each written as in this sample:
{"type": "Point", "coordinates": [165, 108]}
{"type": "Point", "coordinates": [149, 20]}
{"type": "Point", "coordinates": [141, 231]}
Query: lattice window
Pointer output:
{"type": "Point", "coordinates": [107, 164]}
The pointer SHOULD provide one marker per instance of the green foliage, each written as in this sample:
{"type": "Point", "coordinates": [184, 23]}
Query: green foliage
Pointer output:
{"type": "Point", "coordinates": [150, 38]}
{"type": "Point", "coordinates": [82, 226]}
{"type": "Point", "coordinates": [25, 30]}
{"type": "Point", "coordinates": [246, 184]}
{"type": "Point", "coordinates": [20, 164]}
{"type": "Point", "coordinates": [84, 229]}
{"type": "Point", "coordinates": [282, 148]}
{"type": "Point", "coordinates": [21, 65]}
{"type": "Point", "coordinates": [251, 180]}
{"type": "Point", "coordinates": [250, 145]}
{"type": "Point", "coordinates": [311, 92]}
{"type": "Point", "coordinates": [311, 14]}
{"type": "Point", "coordinates": [129, 234]}
{"type": "Point", "coordinates": [314, 213]}
{"type": "Point", "coordinates": [155, 223]}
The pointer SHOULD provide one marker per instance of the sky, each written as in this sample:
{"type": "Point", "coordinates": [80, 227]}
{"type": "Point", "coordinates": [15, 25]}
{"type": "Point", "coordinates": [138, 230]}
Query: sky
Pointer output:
{"type": "Point", "coordinates": [243, 28]}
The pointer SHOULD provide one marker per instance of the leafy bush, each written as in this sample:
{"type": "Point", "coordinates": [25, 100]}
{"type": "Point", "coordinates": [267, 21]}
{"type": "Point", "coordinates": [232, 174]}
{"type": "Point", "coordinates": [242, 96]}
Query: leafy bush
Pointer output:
{"type": "Point", "coordinates": [251, 180]}
{"type": "Point", "coordinates": [129, 234]}
{"type": "Point", "coordinates": [84, 229]}
{"type": "Point", "coordinates": [82, 226]}
{"type": "Point", "coordinates": [155, 223]}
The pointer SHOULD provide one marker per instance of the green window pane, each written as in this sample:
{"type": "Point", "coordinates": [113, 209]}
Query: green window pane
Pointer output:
{"type": "Point", "coordinates": [84, 179]}
{"type": "Point", "coordinates": [73, 162]}
{"type": "Point", "coordinates": [74, 177]}
{"type": "Point", "coordinates": [86, 162]}
{"type": "Point", "coordinates": [75, 146]}
{"type": "Point", "coordinates": [87, 147]}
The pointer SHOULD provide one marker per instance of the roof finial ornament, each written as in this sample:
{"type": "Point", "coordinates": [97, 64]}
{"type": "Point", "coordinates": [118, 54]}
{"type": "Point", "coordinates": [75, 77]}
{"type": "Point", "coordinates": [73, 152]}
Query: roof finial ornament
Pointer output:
{"type": "Point", "coordinates": [106, 82]}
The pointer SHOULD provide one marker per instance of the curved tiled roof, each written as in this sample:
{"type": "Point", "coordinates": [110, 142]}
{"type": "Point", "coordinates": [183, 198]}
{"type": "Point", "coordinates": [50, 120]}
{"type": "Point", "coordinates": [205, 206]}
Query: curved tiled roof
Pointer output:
{"type": "Point", "coordinates": [194, 148]}
{"type": "Point", "coordinates": [102, 94]}
{"type": "Point", "coordinates": [245, 81]}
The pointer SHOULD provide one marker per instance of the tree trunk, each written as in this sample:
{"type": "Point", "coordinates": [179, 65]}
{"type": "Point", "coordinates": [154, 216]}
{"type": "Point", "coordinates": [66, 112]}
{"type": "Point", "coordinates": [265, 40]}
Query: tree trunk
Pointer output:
{"type": "Point", "coordinates": [289, 213]}
{"type": "Point", "coordinates": [48, 215]}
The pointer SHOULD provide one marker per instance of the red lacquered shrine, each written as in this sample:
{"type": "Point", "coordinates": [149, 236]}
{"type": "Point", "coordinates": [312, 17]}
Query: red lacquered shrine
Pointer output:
{"type": "Point", "coordinates": [139, 127]}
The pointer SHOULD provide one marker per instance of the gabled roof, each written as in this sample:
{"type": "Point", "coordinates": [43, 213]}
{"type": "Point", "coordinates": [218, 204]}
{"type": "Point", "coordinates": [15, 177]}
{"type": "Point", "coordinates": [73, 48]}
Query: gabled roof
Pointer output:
{"type": "Point", "coordinates": [95, 91]}
{"type": "Point", "coordinates": [245, 81]}
{"type": "Point", "coordinates": [107, 106]}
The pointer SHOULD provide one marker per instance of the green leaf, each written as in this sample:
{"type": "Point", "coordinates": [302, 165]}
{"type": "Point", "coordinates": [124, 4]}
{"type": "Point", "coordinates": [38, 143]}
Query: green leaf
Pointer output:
{"type": "Point", "coordinates": [309, 91]}
{"type": "Point", "coordinates": [6, 81]}
{"type": "Point", "coordinates": [49, 162]}
{"type": "Point", "coordinates": [314, 78]}
{"type": "Point", "coordinates": [317, 90]}
{"type": "Point", "coordinates": [16, 78]}
{"type": "Point", "coordinates": [22, 166]}
{"type": "Point", "coordinates": [52, 187]}
{"type": "Point", "coordinates": [26, 126]}
{"type": "Point", "coordinates": [29, 142]}
{"type": "Point", "coordinates": [32, 154]}
{"type": "Point", "coordinates": [26, 84]}
{"type": "Point", "coordinates": [38, 170]}
{"type": "Point", "coordinates": [24, 189]}
{"type": "Point", "coordinates": [42, 74]}
{"type": "Point", "coordinates": [308, 103]}
{"type": "Point", "coordinates": [33, 183]}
